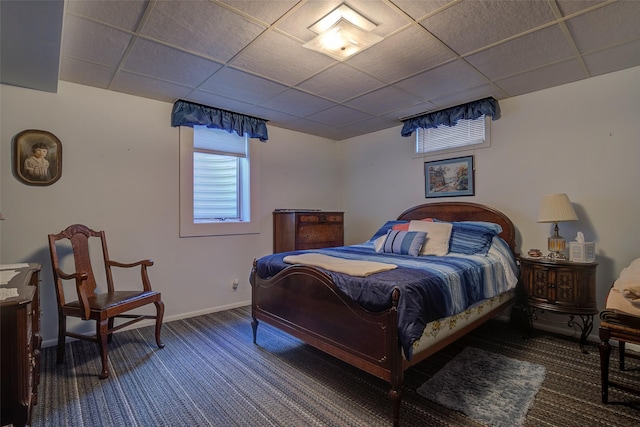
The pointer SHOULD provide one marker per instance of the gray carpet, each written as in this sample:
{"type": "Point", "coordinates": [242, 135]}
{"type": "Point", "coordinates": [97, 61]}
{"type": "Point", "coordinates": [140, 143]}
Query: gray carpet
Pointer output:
{"type": "Point", "coordinates": [211, 373]}
{"type": "Point", "coordinates": [490, 388]}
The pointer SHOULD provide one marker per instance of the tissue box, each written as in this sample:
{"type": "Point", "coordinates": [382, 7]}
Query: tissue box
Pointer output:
{"type": "Point", "coordinates": [582, 252]}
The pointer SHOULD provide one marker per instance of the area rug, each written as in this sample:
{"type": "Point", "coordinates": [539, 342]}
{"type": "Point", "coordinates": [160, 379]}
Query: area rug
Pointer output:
{"type": "Point", "coordinates": [489, 388]}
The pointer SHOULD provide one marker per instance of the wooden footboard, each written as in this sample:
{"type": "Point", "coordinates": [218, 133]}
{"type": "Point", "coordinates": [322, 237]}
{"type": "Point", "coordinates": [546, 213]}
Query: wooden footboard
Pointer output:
{"type": "Point", "coordinates": [304, 302]}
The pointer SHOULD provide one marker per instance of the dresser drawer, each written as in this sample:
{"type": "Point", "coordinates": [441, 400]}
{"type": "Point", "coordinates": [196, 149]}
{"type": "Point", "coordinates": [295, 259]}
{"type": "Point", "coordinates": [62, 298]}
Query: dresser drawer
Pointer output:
{"type": "Point", "coordinates": [320, 218]}
{"type": "Point", "coordinates": [319, 236]}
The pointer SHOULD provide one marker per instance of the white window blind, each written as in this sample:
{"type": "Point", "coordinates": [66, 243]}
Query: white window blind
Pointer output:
{"type": "Point", "coordinates": [218, 161]}
{"type": "Point", "coordinates": [219, 141]}
{"type": "Point", "coordinates": [465, 133]}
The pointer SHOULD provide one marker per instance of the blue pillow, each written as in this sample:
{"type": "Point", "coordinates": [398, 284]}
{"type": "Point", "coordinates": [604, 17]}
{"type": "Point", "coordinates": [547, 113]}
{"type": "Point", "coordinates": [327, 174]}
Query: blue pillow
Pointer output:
{"type": "Point", "coordinates": [404, 242]}
{"type": "Point", "coordinates": [472, 237]}
{"type": "Point", "coordinates": [385, 228]}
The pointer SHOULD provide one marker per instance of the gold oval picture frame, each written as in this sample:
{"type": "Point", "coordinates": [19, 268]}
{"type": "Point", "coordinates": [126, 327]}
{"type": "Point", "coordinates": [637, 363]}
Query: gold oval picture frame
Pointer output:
{"type": "Point", "coordinates": [37, 157]}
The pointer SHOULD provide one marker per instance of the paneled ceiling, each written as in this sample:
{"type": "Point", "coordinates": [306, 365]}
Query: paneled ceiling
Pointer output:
{"type": "Point", "coordinates": [247, 56]}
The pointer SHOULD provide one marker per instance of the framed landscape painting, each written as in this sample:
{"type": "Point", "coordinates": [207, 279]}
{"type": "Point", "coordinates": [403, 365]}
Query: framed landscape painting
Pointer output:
{"type": "Point", "coordinates": [450, 177]}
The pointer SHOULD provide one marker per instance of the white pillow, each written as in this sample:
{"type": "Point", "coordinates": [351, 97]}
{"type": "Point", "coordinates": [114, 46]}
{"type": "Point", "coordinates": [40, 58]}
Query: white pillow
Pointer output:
{"type": "Point", "coordinates": [377, 244]}
{"type": "Point", "coordinates": [438, 235]}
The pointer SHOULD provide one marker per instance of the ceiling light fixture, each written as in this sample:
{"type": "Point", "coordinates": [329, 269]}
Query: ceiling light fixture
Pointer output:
{"type": "Point", "coordinates": [342, 33]}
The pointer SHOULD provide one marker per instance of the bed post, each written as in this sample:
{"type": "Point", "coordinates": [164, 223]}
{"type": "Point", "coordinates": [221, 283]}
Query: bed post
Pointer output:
{"type": "Point", "coordinates": [395, 352]}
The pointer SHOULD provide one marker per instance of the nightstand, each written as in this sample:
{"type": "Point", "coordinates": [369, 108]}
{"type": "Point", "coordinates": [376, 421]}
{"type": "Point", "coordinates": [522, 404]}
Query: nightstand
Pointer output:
{"type": "Point", "coordinates": [562, 287]}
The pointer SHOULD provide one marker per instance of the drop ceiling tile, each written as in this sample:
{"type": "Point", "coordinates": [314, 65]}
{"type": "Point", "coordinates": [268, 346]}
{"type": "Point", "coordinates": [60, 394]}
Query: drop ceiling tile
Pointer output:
{"type": "Point", "coordinates": [373, 124]}
{"type": "Point", "coordinates": [281, 59]}
{"type": "Point", "coordinates": [301, 125]}
{"type": "Point", "coordinates": [469, 95]}
{"type": "Point", "coordinates": [201, 27]}
{"type": "Point", "coordinates": [240, 85]}
{"type": "Point", "coordinates": [541, 78]}
{"type": "Point", "coordinates": [569, 7]}
{"type": "Point", "coordinates": [533, 50]}
{"type": "Point", "coordinates": [222, 102]}
{"type": "Point", "coordinates": [419, 9]}
{"type": "Point", "coordinates": [148, 88]}
{"type": "Point", "coordinates": [402, 55]}
{"type": "Point", "coordinates": [272, 115]}
{"type": "Point", "coordinates": [159, 61]}
{"type": "Point", "coordinates": [452, 77]}
{"type": "Point", "coordinates": [339, 115]}
{"type": "Point", "coordinates": [93, 42]}
{"type": "Point", "coordinates": [488, 22]}
{"type": "Point", "coordinates": [412, 111]}
{"type": "Point", "coordinates": [266, 11]}
{"type": "Point", "coordinates": [383, 100]}
{"type": "Point", "coordinates": [125, 15]}
{"type": "Point", "coordinates": [614, 59]}
{"type": "Point", "coordinates": [610, 25]}
{"type": "Point", "coordinates": [298, 103]}
{"type": "Point", "coordinates": [85, 73]}
{"type": "Point", "coordinates": [340, 82]}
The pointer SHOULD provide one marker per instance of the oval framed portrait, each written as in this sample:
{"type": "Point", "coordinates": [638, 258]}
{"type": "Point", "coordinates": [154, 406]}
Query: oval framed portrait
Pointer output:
{"type": "Point", "coordinates": [37, 157]}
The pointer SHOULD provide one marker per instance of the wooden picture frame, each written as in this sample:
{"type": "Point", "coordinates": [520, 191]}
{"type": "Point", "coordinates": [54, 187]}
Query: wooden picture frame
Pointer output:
{"type": "Point", "coordinates": [449, 177]}
{"type": "Point", "coordinates": [37, 157]}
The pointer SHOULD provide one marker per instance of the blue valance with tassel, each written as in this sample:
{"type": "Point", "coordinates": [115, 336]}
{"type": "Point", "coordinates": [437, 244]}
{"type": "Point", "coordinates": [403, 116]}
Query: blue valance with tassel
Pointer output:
{"type": "Point", "coordinates": [450, 116]}
{"type": "Point", "coordinates": [191, 114]}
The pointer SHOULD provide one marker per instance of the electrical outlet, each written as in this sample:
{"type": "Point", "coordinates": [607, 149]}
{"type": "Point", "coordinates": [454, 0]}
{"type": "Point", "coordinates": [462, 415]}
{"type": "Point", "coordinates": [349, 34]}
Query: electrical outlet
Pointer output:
{"type": "Point", "coordinates": [234, 285]}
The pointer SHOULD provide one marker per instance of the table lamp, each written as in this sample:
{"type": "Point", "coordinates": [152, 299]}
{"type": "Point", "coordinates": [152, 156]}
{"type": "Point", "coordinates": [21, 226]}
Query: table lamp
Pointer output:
{"type": "Point", "coordinates": [556, 208]}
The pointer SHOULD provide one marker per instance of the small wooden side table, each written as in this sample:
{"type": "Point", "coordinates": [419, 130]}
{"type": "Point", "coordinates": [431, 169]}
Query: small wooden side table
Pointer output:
{"type": "Point", "coordinates": [562, 287]}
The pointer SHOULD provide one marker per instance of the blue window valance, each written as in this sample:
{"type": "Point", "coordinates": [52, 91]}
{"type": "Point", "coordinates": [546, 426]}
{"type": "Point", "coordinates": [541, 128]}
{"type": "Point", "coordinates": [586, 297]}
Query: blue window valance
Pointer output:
{"type": "Point", "coordinates": [191, 114]}
{"type": "Point", "coordinates": [450, 116]}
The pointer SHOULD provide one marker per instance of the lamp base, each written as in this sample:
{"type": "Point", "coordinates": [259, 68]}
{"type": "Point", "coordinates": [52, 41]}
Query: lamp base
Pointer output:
{"type": "Point", "coordinates": [557, 246]}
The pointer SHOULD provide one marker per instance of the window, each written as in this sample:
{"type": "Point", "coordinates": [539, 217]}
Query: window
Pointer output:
{"type": "Point", "coordinates": [218, 176]}
{"type": "Point", "coordinates": [464, 135]}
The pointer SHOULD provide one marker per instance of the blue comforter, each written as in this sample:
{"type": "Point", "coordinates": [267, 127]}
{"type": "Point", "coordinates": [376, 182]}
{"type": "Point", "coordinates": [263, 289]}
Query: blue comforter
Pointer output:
{"type": "Point", "coordinates": [430, 287]}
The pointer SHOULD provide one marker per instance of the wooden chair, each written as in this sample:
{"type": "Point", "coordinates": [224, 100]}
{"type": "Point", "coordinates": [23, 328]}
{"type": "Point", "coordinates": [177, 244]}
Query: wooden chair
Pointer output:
{"type": "Point", "coordinates": [105, 307]}
{"type": "Point", "coordinates": [625, 329]}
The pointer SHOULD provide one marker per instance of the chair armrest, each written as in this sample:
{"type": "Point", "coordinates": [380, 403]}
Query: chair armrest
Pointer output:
{"type": "Point", "coordinates": [144, 262]}
{"type": "Point", "coordinates": [146, 284]}
{"type": "Point", "coordinates": [81, 289]}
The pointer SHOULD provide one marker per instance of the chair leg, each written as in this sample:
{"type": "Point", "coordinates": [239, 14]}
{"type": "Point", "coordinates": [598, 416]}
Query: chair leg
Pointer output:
{"type": "Point", "coordinates": [605, 353]}
{"type": "Point", "coordinates": [159, 316]}
{"type": "Point", "coordinates": [111, 323]}
{"type": "Point", "coordinates": [621, 347]}
{"type": "Point", "coordinates": [62, 329]}
{"type": "Point", "coordinates": [102, 334]}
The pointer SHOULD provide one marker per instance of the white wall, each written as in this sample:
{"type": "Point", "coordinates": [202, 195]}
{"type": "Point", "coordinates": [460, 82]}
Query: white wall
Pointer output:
{"type": "Point", "coordinates": [120, 174]}
{"type": "Point", "coordinates": [582, 139]}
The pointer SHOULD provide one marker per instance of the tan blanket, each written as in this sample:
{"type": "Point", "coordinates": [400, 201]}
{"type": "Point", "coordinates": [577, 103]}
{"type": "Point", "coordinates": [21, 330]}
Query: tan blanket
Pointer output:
{"type": "Point", "coordinates": [340, 265]}
{"type": "Point", "coordinates": [628, 283]}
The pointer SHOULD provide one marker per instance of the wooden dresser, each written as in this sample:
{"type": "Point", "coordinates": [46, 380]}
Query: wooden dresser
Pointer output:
{"type": "Point", "coordinates": [305, 229]}
{"type": "Point", "coordinates": [20, 347]}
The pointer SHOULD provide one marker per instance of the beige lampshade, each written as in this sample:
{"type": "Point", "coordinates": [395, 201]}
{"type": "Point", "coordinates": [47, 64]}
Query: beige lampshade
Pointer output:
{"type": "Point", "coordinates": [556, 208]}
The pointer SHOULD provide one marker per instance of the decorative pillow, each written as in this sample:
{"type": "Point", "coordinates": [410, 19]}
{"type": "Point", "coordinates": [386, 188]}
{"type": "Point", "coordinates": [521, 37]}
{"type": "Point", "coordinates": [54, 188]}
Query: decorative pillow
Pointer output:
{"type": "Point", "coordinates": [405, 227]}
{"type": "Point", "coordinates": [438, 234]}
{"type": "Point", "coordinates": [382, 231]}
{"type": "Point", "coordinates": [403, 242]}
{"type": "Point", "coordinates": [473, 237]}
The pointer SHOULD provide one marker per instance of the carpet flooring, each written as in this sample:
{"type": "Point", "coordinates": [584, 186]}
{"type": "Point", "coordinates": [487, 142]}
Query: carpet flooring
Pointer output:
{"type": "Point", "coordinates": [211, 374]}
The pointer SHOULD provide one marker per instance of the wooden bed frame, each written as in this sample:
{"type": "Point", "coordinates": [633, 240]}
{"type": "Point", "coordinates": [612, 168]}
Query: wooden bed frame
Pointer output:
{"type": "Point", "coordinates": [304, 302]}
